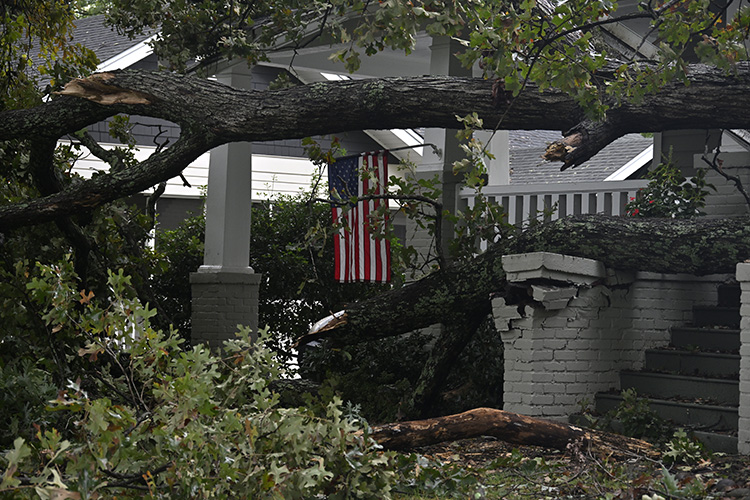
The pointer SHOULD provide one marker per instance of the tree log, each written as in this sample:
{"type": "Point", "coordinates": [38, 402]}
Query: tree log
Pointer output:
{"type": "Point", "coordinates": [697, 246]}
{"type": "Point", "coordinates": [509, 427]}
{"type": "Point", "coordinates": [212, 114]}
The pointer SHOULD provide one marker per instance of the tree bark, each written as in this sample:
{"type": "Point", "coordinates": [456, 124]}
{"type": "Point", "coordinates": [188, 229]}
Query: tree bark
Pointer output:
{"type": "Point", "coordinates": [212, 114]}
{"type": "Point", "coordinates": [509, 427]}
{"type": "Point", "coordinates": [451, 341]}
{"type": "Point", "coordinates": [697, 246]}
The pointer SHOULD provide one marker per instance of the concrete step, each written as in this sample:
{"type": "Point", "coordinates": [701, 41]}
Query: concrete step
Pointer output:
{"type": "Point", "coordinates": [667, 386]}
{"type": "Point", "coordinates": [694, 363]}
{"type": "Point", "coordinates": [703, 417]}
{"type": "Point", "coordinates": [718, 442]}
{"type": "Point", "coordinates": [705, 339]}
{"type": "Point", "coordinates": [716, 316]}
{"type": "Point", "coordinates": [714, 441]}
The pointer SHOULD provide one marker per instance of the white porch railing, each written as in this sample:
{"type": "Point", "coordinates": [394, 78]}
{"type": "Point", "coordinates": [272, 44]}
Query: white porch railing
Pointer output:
{"type": "Point", "coordinates": [528, 201]}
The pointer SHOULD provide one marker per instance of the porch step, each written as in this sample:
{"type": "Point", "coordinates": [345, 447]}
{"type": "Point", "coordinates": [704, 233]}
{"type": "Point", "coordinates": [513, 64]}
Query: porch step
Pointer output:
{"type": "Point", "coordinates": [694, 382]}
{"type": "Point", "coordinates": [703, 417]}
{"type": "Point", "coordinates": [662, 385]}
{"type": "Point", "coordinates": [694, 363]}
{"type": "Point", "coordinates": [706, 339]}
{"type": "Point", "coordinates": [716, 316]}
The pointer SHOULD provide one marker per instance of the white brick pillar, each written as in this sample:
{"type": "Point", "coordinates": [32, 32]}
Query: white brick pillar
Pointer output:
{"type": "Point", "coordinates": [552, 355]}
{"type": "Point", "coordinates": [743, 438]}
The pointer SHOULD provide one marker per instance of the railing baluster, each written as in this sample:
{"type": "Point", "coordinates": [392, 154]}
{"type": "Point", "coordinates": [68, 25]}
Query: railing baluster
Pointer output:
{"type": "Point", "coordinates": [522, 201]}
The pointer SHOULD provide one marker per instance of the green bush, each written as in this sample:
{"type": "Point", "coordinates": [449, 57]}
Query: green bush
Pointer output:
{"type": "Point", "coordinates": [297, 288]}
{"type": "Point", "coordinates": [377, 375]}
{"type": "Point", "coordinates": [669, 194]}
{"type": "Point", "coordinates": [170, 422]}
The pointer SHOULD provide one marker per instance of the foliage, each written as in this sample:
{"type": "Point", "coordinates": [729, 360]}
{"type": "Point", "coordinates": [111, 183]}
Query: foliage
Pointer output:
{"type": "Point", "coordinates": [179, 422]}
{"type": "Point", "coordinates": [633, 417]}
{"type": "Point", "coordinates": [484, 221]}
{"type": "Point", "coordinates": [683, 448]}
{"type": "Point", "coordinates": [373, 375]}
{"type": "Point", "coordinates": [378, 375]}
{"type": "Point", "coordinates": [24, 391]}
{"type": "Point", "coordinates": [418, 475]}
{"type": "Point", "coordinates": [669, 194]}
{"type": "Point", "coordinates": [35, 48]}
{"type": "Point", "coordinates": [297, 287]}
{"type": "Point", "coordinates": [178, 253]}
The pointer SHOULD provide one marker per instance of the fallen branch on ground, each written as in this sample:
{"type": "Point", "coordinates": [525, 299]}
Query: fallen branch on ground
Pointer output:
{"type": "Point", "coordinates": [506, 426]}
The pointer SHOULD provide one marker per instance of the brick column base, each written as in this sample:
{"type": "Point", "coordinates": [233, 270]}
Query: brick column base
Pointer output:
{"type": "Point", "coordinates": [743, 437]}
{"type": "Point", "coordinates": [223, 301]}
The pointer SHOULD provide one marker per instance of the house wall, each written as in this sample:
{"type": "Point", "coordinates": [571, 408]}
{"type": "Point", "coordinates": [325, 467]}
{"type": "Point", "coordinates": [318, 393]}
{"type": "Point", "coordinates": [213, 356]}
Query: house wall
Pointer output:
{"type": "Point", "coordinates": [727, 201]}
{"type": "Point", "coordinates": [568, 342]}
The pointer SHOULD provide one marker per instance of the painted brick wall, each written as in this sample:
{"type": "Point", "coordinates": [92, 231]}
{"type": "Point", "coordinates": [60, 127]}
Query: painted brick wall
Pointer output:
{"type": "Point", "coordinates": [221, 302]}
{"type": "Point", "coordinates": [558, 358]}
{"type": "Point", "coordinates": [743, 437]}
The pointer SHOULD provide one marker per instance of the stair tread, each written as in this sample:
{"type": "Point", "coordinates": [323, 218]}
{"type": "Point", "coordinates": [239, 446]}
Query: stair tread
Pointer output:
{"type": "Point", "coordinates": [673, 402]}
{"type": "Point", "coordinates": [686, 352]}
{"type": "Point", "coordinates": [707, 329]}
{"type": "Point", "coordinates": [679, 376]}
{"type": "Point", "coordinates": [696, 415]}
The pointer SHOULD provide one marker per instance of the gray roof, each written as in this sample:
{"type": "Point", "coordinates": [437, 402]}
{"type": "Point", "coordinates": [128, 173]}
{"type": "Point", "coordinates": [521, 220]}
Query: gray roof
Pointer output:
{"type": "Point", "coordinates": [93, 33]}
{"type": "Point", "coordinates": [528, 167]}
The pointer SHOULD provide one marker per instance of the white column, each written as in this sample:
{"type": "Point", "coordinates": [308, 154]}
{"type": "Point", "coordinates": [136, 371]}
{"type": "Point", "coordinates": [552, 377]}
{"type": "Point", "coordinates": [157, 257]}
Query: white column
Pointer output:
{"type": "Point", "coordinates": [229, 197]}
{"type": "Point", "coordinates": [228, 204]}
{"type": "Point", "coordinates": [225, 288]}
{"type": "Point", "coordinates": [498, 168]}
{"type": "Point", "coordinates": [443, 62]}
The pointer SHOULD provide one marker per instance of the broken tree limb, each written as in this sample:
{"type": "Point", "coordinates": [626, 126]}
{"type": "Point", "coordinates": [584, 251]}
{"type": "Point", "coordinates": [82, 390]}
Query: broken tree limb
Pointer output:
{"type": "Point", "coordinates": [214, 114]}
{"type": "Point", "coordinates": [697, 246]}
{"type": "Point", "coordinates": [582, 142]}
{"type": "Point", "coordinates": [508, 427]}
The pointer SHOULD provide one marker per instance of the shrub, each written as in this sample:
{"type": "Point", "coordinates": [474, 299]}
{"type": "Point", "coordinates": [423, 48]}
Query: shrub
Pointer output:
{"type": "Point", "coordinates": [297, 288]}
{"type": "Point", "coordinates": [670, 194]}
{"type": "Point", "coordinates": [171, 422]}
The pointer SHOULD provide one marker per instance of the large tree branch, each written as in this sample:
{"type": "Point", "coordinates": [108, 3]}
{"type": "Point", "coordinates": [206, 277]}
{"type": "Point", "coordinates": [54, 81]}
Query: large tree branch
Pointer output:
{"type": "Point", "coordinates": [212, 114]}
{"type": "Point", "coordinates": [509, 427]}
{"type": "Point", "coordinates": [105, 188]}
{"type": "Point", "coordinates": [697, 246]}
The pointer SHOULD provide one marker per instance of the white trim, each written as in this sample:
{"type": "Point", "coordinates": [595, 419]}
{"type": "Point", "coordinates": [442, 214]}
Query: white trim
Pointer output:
{"type": "Point", "coordinates": [633, 165]}
{"type": "Point", "coordinates": [128, 57]}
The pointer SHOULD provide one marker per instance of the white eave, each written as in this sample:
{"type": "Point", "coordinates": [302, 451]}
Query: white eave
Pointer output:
{"type": "Point", "coordinates": [129, 56]}
{"type": "Point", "coordinates": [631, 167]}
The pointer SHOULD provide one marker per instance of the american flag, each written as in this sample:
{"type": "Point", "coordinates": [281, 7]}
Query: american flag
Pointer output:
{"type": "Point", "coordinates": [359, 255]}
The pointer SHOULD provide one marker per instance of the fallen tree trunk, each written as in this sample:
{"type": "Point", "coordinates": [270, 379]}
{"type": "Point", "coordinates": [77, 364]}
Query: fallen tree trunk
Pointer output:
{"type": "Point", "coordinates": [509, 427]}
{"type": "Point", "coordinates": [697, 246]}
